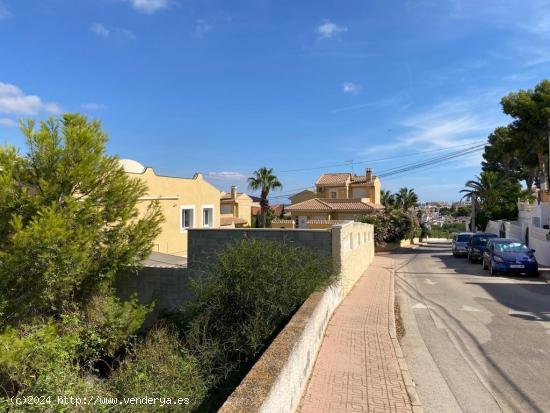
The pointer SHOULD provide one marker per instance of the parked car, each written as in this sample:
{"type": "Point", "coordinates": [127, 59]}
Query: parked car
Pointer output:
{"type": "Point", "coordinates": [460, 243]}
{"type": "Point", "coordinates": [478, 245]}
{"type": "Point", "coordinates": [509, 255]}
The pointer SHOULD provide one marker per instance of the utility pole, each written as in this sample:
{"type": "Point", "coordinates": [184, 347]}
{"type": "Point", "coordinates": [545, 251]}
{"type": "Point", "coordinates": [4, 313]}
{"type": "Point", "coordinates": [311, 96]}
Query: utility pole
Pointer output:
{"type": "Point", "coordinates": [473, 222]}
{"type": "Point", "coordinates": [351, 162]}
{"type": "Point", "coordinates": [548, 177]}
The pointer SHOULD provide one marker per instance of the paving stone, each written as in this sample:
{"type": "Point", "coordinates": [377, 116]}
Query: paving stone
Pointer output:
{"type": "Point", "coordinates": [357, 369]}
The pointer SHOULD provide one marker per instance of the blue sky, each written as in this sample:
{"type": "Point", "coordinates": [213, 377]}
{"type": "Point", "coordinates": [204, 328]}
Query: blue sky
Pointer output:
{"type": "Point", "coordinates": [224, 87]}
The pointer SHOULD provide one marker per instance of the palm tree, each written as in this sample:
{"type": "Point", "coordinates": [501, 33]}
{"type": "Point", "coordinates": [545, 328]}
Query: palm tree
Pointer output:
{"type": "Point", "coordinates": [264, 181]}
{"type": "Point", "coordinates": [485, 189]}
{"type": "Point", "coordinates": [406, 198]}
{"type": "Point", "coordinates": [387, 198]}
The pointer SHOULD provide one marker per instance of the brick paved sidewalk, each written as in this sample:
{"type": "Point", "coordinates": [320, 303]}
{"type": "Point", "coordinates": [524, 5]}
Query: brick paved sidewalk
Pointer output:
{"type": "Point", "coordinates": [357, 368]}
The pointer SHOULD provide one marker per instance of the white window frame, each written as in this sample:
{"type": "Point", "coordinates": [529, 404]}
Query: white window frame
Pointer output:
{"type": "Point", "coordinates": [188, 207]}
{"type": "Point", "coordinates": [202, 215]}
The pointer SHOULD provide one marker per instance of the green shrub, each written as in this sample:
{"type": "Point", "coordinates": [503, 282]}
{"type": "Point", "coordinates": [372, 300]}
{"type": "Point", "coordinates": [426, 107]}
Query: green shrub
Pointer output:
{"type": "Point", "coordinates": [160, 367]}
{"type": "Point", "coordinates": [109, 324]}
{"type": "Point", "coordinates": [392, 225]}
{"type": "Point", "coordinates": [39, 360]}
{"type": "Point", "coordinates": [241, 300]}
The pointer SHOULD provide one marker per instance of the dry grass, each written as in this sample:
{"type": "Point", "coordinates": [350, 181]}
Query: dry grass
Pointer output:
{"type": "Point", "coordinates": [400, 329]}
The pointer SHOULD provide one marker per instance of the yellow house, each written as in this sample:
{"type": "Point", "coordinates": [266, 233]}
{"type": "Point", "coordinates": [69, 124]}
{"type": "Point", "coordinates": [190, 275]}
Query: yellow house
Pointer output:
{"type": "Point", "coordinates": [235, 209]}
{"type": "Point", "coordinates": [337, 196]}
{"type": "Point", "coordinates": [348, 186]}
{"type": "Point", "coordinates": [185, 202]}
{"type": "Point", "coordinates": [303, 196]}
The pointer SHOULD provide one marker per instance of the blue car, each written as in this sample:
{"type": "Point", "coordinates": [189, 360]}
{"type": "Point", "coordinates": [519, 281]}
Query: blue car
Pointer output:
{"type": "Point", "coordinates": [509, 255]}
{"type": "Point", "coordinates": [478, 245]}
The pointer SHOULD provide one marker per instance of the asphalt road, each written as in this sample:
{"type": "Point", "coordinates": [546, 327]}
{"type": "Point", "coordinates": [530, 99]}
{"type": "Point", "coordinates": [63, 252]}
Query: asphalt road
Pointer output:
{"type": "Point", "coordinates": [473, 343]}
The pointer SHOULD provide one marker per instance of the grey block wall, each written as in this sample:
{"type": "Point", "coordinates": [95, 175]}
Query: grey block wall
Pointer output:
{"type": "Point", "coordinates": [204, 244]}
{"type": "Point", "coordinates": [169, 287]}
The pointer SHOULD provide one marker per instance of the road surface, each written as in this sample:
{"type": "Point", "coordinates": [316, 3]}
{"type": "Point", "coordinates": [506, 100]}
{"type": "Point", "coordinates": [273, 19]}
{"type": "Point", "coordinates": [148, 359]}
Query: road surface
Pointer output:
{"type": "Point", "coordinates": [473, 343]}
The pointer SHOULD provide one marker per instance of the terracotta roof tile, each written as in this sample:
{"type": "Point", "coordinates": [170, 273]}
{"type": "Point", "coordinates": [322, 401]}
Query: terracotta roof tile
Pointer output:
{"type": "Point", "coordinates": [361, 180]}
{"type": "Point", "coordinates": [325, 204]}
{"type": "Point", "coordinates": [314, 204]}
{"type": "Point", "coordinates": [224, 221]}
{"type": "Point", "coordinates": [333, 179]}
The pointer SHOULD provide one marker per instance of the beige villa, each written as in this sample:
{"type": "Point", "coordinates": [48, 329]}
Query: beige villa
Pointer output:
{"type": "Point", "coordinates": [185, 202]}
{"type": "Point", "coordinates": [337, 196]}
{"type": "Point", "coordinates": [236, 209]}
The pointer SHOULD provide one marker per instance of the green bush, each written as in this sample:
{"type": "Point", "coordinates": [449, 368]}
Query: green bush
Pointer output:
{"type": "Point", "coordinates": [40, 360]}
{"type": "Point", "coordinates": [392, 225]}
{"type": "Point", "coordinates": [160, 367]}
{"type": "Point", "coordinates": [244, 297]}
{"type": "Point", "coordinates": [109, 325]}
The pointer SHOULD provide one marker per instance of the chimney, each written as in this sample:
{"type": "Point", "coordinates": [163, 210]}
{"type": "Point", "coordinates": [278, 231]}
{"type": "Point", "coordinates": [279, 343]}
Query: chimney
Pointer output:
{"type": "Point", "coordinates": [368, 174]}
{"type": "Point", "coordinates": [234, 192]}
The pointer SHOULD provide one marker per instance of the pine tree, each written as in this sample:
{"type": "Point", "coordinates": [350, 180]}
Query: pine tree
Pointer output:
{"type": "Point", "coordinates": [69, 221]}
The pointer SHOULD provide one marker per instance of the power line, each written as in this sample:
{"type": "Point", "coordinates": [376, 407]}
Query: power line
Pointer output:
{"type": "Point", "coordinates": [348, 163]}
{"type": "Point", "coordinates": [411, 166]}
{"type": "Point", "coordinates": [405, 168]}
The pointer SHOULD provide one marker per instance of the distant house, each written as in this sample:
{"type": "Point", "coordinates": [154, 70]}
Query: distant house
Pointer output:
{"type": "Point", "coordinates": [185, 202]}
{"type": "Point", "coordinates": [303, 196]}
{"type": "Point", "coordinates": [236, 209]}
{"type": "Point", "coordinates": [277, 209]}
{"type": "Point", "coordinates": [337, 196]}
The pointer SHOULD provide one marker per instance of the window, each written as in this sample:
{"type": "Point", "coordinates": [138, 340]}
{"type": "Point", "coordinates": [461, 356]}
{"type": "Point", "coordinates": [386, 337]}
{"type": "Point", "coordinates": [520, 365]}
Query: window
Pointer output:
{"type": "Point", "coordinates": [187, 217]}
{"type": "Point", "coordinates": [227, 209]}
{"type": "Point", "coordinates": [207, 216]}
{"type": "Point", "coordinates": [333, 194]}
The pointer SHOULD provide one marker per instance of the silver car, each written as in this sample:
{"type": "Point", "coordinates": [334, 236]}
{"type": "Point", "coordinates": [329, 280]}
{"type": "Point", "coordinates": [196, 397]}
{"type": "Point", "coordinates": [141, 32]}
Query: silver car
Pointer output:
{"type": "Point", "coordinates": [460, 243]}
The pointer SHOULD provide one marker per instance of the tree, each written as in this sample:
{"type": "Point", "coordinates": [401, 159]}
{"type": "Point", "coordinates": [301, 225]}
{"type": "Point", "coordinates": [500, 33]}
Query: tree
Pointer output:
{"type": "Point", "coordinates": [531, 112]}
{"type": "Point", "coordinates": [263, 180]}
{"type": "Point", "coordinates": [68, 221]}
{"type": "Point", "coordinates": [508, 153]}
{"type": "Point", "coordinates": [494, 195]}
{"type": "Point", "coordinates": [406, 198]}
{"type": "Point", "coordinates": [387, 198]}
{"type": "Point", "coordinates": [484, 189]}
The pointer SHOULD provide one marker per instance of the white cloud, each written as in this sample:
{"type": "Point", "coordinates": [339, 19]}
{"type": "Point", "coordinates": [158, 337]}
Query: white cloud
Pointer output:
{"type": "Point", "coordinates": [327, 29]}
{"type": "Point", "coordinates": [117, 33]}
{"type": "Point", "coordinates": [228, 176]}
{"type": "Point", "coordinates": [352, 88]}
{"type": "Point", "coordinates": [202, 27]}
{"type": "Point", "coordinates": [4, 11]}
{"type": "Point", "coordinates": [459, 121]}
{"type": "Point", "coordinates": [100, 30]}
{"type": "Point", "coordinates": [8, 122]}
{"type": "Point", "coordinates": [93, 106]}
{"type": "Point", "coordinates": [14, 101]}
{"type": "Point", "coordinates": [149, 6]}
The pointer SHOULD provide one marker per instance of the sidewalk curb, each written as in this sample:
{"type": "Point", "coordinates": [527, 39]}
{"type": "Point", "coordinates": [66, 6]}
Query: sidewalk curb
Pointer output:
{"type": "Point", "coordinates": [409, 383]}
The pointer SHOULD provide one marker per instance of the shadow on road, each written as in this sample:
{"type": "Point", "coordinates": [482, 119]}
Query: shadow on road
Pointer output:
{"type": "Point", "coordinates": [527, 300]}
{"type": "Point", "coordinates": [460, 265]}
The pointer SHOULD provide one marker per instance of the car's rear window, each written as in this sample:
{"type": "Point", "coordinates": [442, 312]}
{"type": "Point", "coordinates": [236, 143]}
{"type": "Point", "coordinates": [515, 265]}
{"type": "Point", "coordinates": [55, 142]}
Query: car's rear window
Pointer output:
{"type": "Point", "coordinates": [480, 240]}
{"type": "Point", "coordinates": [511, 247]}
{"type": "Point", "coordinates": [463, 238]}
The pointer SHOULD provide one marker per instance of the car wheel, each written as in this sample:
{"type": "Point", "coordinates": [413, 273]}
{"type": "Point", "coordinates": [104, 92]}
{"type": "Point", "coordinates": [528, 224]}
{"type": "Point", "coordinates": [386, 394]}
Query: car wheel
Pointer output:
{"type": "Point", "coordinates": [492, 270]}
{"type": "Point", "coordinates": [533, 273]}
